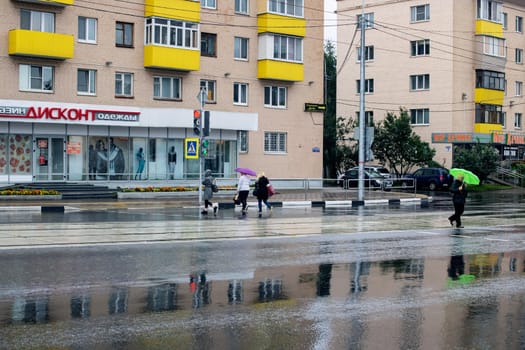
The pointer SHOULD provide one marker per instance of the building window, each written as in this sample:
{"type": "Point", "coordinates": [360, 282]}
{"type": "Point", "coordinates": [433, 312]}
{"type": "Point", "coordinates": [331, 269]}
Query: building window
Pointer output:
{"type": "Point", "coordinates": [505, 19]}
{"type": "Point", "coordinates": [288, 48]}
{"type": "Point", "coordinates": [488, 114]}
{"type": "Point", "coordinates": [87, 30]}
{"type": "Point", "coordinates": [209, 86]}
{"type": "Point", "coordinates": [490, 10]}
{"type": "Point", "coordinates": [286, 7]}
{"type": "Point", "coordinates": [275, 96]}
{"type": "Point", "coordinates": [420, 13]}
{"type": "Point", "coordinates": [209, 4]}
{"type": "Point", "coordinates": [243, 141]}
{"type": "Point", "coordinates": [168, 88]}
{"type": "Point", "coordinates": [275, 142]}
{"type": "Point", "coordinates": [240, 94]}
{"type": "Point", "coordinates": [369, 117]}
{"type": "Point", "coordinates": [369, 53]}
{"type": "Point", "coordinates": [517, 120]}
{"type": "Point", "coordinates": [86, 81]}
{"type": "Point", "coordinates": [369, 86]}
{"type": "Point", "coordinates": [504, 120]}
{"type": "Point", "coordinates": [519, 24]}
{"type": "Point", "coordinates": [124, 84]}
{"type": "Point", "coordinates": [37, 21]}
{"type": "Point", "coordinates": [519, 56]}
{"type": "Point", "coordinates": [420, 116]}
{"type": "Point", "coordinates": [241, 6]}
{"type": "Point", "coordinates": [174, 33]}
{"type": "Point", "coordinates": [493, 46]}
{"type": "Point", "coordinates": [36, 78]}
{"type": "Point", "coordinates": [240, 51]}
{"type": "Point", "coordinates": [124, 34]}
{"type": "Point", "coordinates": [420, 82]}
{"type": "Point", "coordinates": [209, 44]}
{"type": "Point", "coordinates": [420, 47]}
{"type": "Point", "coordinates": [487, 79]}
{"type": "Point", "coordinates": [519, 88]}
{"type": "Point", "coordinates": [369, 20]}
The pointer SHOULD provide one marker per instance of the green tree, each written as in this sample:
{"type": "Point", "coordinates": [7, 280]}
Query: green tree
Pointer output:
{"type": "Point", "coordinates": [346, 149]}
{"type": "Point", "coordinates": [330, 154]}
{"type": "Point", "coordinates": [396, 145]}
{"type": "Point", "coordinates": [481, 159]}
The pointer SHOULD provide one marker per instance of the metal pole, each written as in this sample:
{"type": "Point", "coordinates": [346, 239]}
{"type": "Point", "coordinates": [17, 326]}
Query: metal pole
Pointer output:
{"type": "Point", "coordinates": [201, 101]}
{"type": "Point", "coordinates": [362, 125]}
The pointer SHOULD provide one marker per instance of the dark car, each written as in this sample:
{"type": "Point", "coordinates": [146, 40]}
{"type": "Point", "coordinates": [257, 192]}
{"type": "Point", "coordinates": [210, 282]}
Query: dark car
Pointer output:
{"type": "Point", "coordinates": [371, 179]}
{"type": "Point", "coordinates": [431, 178]}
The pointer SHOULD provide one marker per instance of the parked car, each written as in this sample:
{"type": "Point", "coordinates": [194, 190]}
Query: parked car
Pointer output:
{"type": "Point", "coordinates": [431, 178]}
{"type": "Point", "coordinates": [371, 179]}
{"type": "Point", "coordinates": [380, 169]}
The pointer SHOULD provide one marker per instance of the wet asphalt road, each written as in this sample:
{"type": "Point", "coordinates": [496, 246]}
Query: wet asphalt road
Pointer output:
{"type": "Point", "coordinates": [379, 277]}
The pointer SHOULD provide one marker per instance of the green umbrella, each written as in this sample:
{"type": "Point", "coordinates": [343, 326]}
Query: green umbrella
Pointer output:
{"type": "Point", "coordinates": [468, 176]}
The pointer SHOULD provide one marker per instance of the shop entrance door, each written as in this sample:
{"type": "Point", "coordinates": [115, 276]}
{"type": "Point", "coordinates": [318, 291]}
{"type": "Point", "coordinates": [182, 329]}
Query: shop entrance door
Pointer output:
{"type": "Point", "coordinates": [49, 159]}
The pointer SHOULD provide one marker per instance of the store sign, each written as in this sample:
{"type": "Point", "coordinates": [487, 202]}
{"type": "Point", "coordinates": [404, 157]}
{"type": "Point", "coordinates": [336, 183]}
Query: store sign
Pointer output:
{"type": "Point", "coordinates": [445, 137]}
{"type": "Point", "coordinates": [508, 139]}
{"type": "Point", "coordinates": [67, 114]}
{"type": "Point", "coordinates": [314, 107]}
{"type": "Point", "coordinates": [73, 148]}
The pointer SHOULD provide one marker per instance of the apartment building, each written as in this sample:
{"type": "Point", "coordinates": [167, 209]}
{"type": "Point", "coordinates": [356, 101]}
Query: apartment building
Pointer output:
{"type": "Point", "coordinates": [86, 85]}
{"type": "Point", "coordinates": [455, 66]}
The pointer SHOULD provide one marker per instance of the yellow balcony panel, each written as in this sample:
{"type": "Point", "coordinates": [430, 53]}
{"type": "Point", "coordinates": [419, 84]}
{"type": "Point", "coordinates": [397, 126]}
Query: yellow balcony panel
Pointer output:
{"type": "Point", "coordinates": [278, 70]}
{"type": "Point", "coordinates": [488, 96]}
{"type": "Point", "coordinates": [171, 58]}
{"type": "Point", "coordinates": [484, 27]}
{"type": "Point", "coordinates": [184, 10]}
{"type": "Point", "coordinates": [51, 2]}
{"type": "Point", "coordinates": [41, 44]}
{"type": "Point", "coordinates": [272, 23]}
{"type": "Point", "coordinates": [485, 128]}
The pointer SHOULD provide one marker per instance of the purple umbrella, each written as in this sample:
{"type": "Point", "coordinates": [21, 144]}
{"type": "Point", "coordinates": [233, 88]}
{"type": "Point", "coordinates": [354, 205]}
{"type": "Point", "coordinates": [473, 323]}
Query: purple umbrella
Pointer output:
{"type": "Point", "coordinates": [246, 171]}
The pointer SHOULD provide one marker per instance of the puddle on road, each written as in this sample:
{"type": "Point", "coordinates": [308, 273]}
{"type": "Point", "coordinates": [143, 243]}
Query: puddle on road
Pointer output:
{"type": "Point", "coordinates": [416, 304]}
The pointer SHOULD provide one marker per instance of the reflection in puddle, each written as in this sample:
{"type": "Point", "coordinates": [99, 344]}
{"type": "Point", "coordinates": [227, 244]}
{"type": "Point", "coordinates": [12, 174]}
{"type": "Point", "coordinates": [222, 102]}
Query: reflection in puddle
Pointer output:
{"type": "Point", "coordinates": [365, 296]}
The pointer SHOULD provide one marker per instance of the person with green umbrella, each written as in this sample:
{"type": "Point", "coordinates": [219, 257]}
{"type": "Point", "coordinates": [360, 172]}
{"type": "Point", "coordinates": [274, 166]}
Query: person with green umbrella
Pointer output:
{"type": "Point", "coordinates": [459, 195]}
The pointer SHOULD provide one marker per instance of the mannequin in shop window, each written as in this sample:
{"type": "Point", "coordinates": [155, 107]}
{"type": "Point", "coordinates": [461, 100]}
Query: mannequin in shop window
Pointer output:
{"type": "Point", "coordinates": [102, 161]}
{"type": "Point", "coordinates": [172, 161]}
{"type": "Point", "coordinates": [116, 161]}
{"type": "Point", "coordinates": [140, 161]}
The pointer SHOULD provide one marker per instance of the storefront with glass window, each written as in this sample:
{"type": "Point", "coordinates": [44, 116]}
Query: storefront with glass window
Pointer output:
{"type": "Point", "coordinates": [67, 142]}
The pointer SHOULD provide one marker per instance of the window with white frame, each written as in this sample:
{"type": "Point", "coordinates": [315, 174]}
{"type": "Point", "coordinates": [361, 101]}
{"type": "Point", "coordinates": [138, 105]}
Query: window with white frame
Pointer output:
{"type": "Point", "coordinates": [369, 20]}
{"type": "Point", "coordinates": [173, 33]}
{"type": "Point", "coordinates": [519, 88]}
{"type": "Point", "coordinates": [209, 4]}
{"type": "Point", "coordinates": [419, 116]}
{"type": "Point", "coordinates": [275, 142]}
{"type": "Point", "coordinates": [369, 86]}
{"type": "Point", "coordinates": [123, 84]}
{"type": "Point", "coordinates": [36, 78]}
{"type": "Point", "coordinates": [275, 96]}
{"type": "Point", "coordinates": [493, 46]}
{"type": "Point", "coordinates": [241, 6]}
{"type": "Point", "coordinates": [369, 53]}
{"type": "Point", "coordinates": [287, 48]}
{"type": "Point", "coordinates": [243, 141]}
{"type": "Point", "coordinates": [37, 20]}
{"type": "Point", "coordinates": [420, 82]}
{"type": "Point", "coordinates": [87, 29]}
{"type": "Point", "coordinates": [519, 56]}
{"type": "Point", "coordinates": [86, 81]}
{"type": "Point", "coordinates": [420, 47]}
{"type": "Point", "coordinates": [517, 120]}
{"type": "Point", "coordinates": [519, 24]}
{"type": "Point", "coordinates": [240, 94]}
{"type": "Point", "coordinates": [209, 86]}
{"type": "Point", "coordinates": [490, 10]}
{"type": "Point", "coordinates": [420, 13]}
{"type": "Point", "coordinates": [167, 88]}
{"type": "Point", "coordinates": [286, 7]}
{"type": "Point", "coordinates": [505, 19]}
{"type": "Point", "coordinates": [240, 50]}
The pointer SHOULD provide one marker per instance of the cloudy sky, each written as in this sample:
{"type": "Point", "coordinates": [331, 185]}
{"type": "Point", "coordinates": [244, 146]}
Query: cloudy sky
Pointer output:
{"type": "Point", "coordinates": [330, 28]}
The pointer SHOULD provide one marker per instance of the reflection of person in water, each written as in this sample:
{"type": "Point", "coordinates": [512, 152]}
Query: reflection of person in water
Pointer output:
{"type": "Point", "coordinates": [172, 161]}
{"type": "Point", "coordinates": [457, 267]}
{"type": "Point", "coordinates": [200, 289]}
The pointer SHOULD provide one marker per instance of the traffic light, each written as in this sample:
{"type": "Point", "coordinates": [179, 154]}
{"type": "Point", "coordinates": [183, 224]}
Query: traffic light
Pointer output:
{"type": "Point", "coordinates": [197, 122]}
{"type": "Point", "coordinates": [204, 147]}
{"type": "Point", "coordinates": [206, 125]}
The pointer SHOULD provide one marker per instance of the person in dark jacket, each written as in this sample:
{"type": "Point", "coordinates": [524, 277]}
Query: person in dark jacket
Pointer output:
{"type": "Point", "coordinates": [459, 195]}
{"type": "Point", "coordinates": [208, 183]}
{"type": "Point", "coordinates": [261, 187]}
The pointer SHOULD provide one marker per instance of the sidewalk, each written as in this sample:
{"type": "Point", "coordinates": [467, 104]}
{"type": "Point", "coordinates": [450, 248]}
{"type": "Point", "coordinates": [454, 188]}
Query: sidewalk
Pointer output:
{"type": "Point", "coordinates": [285, 198]}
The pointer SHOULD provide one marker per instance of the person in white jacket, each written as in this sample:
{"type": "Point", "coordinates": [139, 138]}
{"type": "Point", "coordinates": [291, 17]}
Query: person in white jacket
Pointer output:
{"type": "Point", "coordinates": [243, 189]}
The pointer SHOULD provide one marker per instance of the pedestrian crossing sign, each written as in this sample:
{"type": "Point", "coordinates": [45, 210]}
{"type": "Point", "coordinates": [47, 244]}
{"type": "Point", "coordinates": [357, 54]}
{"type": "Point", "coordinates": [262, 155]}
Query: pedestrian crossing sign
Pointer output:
{"type": "Point", "coordinates": [191, 148]}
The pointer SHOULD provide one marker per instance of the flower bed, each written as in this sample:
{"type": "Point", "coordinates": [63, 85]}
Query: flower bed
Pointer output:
{"type": "Point", "coordinates": [29, 192]}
